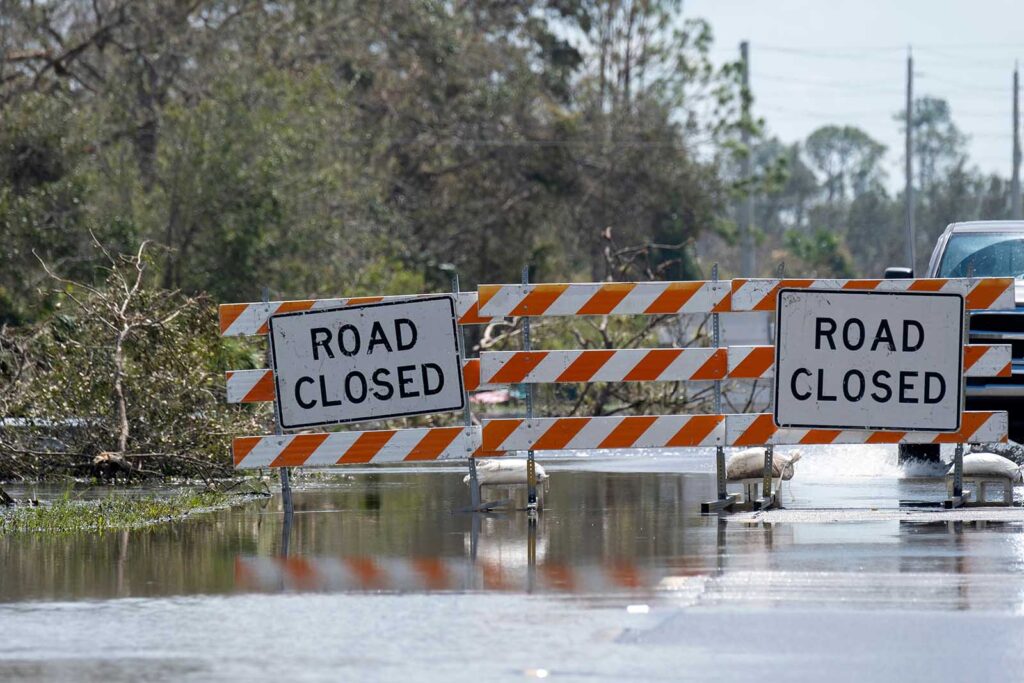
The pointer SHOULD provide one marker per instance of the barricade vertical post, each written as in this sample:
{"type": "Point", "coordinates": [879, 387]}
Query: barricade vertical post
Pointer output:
{"type": "Point", "coordinates": [467, 413]}
{"type": "Point", "coordinates": [286, 484]}
{"type": "Point", "coordinates": [767, 494]}
{"type": "Point", "coordinates": [719, 450]}
{"type": "Point", "coordinates": [958, 471]}
{"type": "Point", "coordinates": [531, 465]}
{"type": "Point", "coordinates": [723, 501]}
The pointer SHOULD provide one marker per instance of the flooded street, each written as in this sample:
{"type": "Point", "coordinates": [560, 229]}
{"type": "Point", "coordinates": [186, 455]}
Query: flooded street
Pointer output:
{"type": "Point", "coordinates": [380, 578]}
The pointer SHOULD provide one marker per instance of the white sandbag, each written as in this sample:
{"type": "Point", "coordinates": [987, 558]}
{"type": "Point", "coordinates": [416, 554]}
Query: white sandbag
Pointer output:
{"type": "Point", "coordinates": [749, 464]}
{"type": "Point", "coordinates": [990, 465]}
{"type": "Point", "coordinates": [502, 471]}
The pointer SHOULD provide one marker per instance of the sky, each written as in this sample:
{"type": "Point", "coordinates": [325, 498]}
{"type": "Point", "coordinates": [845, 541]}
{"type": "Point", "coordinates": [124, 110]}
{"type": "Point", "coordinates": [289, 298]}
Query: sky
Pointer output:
{"type": "Point", "coordinates": [819, 62]}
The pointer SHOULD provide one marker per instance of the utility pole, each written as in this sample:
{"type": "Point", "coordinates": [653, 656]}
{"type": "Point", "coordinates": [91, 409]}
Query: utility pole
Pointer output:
{"type": "Point", "coordinates": [747, 263]}
{"type": "Point", "coordinates": [1015, 199]}
{"type": "Point", "coordinates": [908, 193]}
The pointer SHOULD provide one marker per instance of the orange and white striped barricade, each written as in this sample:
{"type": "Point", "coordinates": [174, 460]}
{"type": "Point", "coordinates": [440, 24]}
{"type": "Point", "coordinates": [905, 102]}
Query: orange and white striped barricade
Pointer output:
{"type": "Point", "coordinates": [995, 293]}
{"type": "Point", "coordinates": [980, 360]}
{"type": "Point", "coordinates": [330, 449]}
{"type": "Point", "coordinates": [604, 298]}
{"type": "Point", "coordinates": [602, 365]}
{"type": "Point", "coordinates": [349, 447]}
{"type": "Point", "coordinates": [257, 386]}
{"type": "Point", "coordinates": [251, 319]}
{"type": "Point", "coordinates": [587, 433]}
{"type": "Point", "coordinates": [759, 429]}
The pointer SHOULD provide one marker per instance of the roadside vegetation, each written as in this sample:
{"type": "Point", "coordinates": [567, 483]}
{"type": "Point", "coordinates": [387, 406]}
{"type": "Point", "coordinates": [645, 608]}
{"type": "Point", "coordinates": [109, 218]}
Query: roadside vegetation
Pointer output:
{"type": "Point", "coordinates": [157, 159]}
{"type": "Point", "coordinates": [116, 512]}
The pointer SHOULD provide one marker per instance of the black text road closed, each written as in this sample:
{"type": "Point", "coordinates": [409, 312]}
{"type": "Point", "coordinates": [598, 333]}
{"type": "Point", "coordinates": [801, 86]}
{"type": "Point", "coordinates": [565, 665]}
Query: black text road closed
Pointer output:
{"type": "Point", "coordinates": [367, 362]}
{"type": "Point", "coordinates": [868, 360]}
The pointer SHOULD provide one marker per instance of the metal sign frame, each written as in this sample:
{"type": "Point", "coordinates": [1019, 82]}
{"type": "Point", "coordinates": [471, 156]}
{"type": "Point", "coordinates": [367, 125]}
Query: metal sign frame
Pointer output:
{"type": "Point", "coordinates": [779, 336]}
{"type": "Point", "coordinates": [356, 308]}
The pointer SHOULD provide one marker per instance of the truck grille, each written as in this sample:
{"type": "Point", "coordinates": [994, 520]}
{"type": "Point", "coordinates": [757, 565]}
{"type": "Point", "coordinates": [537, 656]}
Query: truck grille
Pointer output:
{"type": "Point", "coordinates": [999, 328]}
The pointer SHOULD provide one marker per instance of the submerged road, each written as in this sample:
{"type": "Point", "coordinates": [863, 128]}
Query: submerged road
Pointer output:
{"type": "Point", "coordinates": [620, 579]}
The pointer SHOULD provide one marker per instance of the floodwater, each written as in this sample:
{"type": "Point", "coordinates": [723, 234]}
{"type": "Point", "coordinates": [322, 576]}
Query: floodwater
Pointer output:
{"type": "Point", "coordinates": [379, 577]}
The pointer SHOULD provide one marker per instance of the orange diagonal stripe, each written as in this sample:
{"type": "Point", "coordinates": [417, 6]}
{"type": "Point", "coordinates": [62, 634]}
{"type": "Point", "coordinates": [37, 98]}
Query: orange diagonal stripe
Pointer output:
{"type": "Point", "coordinates": [723, 306]}
{"type": "Point", "coordinates": [473, 317]}
{"type": "Point", "coordinates": [298, 450]}
{"type": "Point", "coordinates": [496, 431]}
{"type": "Point", "coordinates": [471, 374]}
{"type": "Point", "coordinates": [485, 293]}
{"type": "Point", "coordinates": [861, 284]}
{"type": "Point", "coordinates": [560, 433]}
{"type": "Point", "coordinates": [714, 367]}
{"type": "Point", "coordinates": [538, 300]}
{"type": "Point", "coordinates": [357, 300]}
{"type": "Point", "coordinates": [262, 391]}
{"type": "Point", "coordinates": [366, 445]}
{"type": "Point", "coordinates": [585, 366]}
{"type": "Point", "coordinates": [652, 364]}
{"type": "Point", "coordinates": [433, 444]}
{"type": "Point", "coordinates": [972, 354]}
{"type": "Point", "coordinates": [986, 292]}
{"type": "Point", "coordinates": [885, 437]}
{"type": "Point", "coordinates": [695, 430]}
{"type": "Point", "coordinates": [286, 307]}
{"type": "Point", "coordinates": [927, 285]}
{"type": "Point", "coordinates": [228, 314]}
{"type": "Point", "coordinates": [674, 297]}
{"type": "Point", "coordinates": [606, 298]}
{"type": "Point", "coordinates": [820, 436]}
{"type": "Point", "coordinates": [517, 367]}
{"type": "Point", "coordinates": [768, 302]}
{"type": "Point", "coordinates": [969, 423]}
{"type": "Point", "coordinates": [758, 433]}
{"type": "Point", "coordinates": [755, 364]}
{"type": "Point", "coordinates": [628, 431]}
{"type": "Point", "coordinates": [1006, 371]}
{"type": "Point", "coordinates": [242, 446]}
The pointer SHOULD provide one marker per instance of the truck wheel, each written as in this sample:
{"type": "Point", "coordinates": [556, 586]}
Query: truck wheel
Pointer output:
{"type": "Point", "coordinates": [926, 452]}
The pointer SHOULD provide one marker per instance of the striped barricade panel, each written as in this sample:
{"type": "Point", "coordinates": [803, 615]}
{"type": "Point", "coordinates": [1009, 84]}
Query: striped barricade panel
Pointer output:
{"type": "Point", "coordinates": [979, 293]}
{"type": "Point", "coordinates": [356, 448]}
{"type": "Point", "coordinates": [601, 365]}
{"type": "Point", "coordinates": [571, 433]}
{"type": "Point", "coordinates": [760, 430]}
{"type": "Point", "coordinates": [252, 318]}
{"type": "Point", "coordinates": [980, 360]}
{"type": "Point", "coordinates": [257, 386]}
{"type": "Point", "coordinates": [602, 298]}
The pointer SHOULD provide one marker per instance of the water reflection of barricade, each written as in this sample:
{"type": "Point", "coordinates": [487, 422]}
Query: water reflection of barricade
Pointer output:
{"type": "Point", "coordinates": [416, 574]}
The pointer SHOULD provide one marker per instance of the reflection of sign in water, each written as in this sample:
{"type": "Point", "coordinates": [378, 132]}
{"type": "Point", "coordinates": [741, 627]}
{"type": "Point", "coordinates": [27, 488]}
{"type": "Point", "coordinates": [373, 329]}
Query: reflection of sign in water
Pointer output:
{"type": "Point", "coordinates": [367, 362]}
{"type": "Point", "coordinates": [869, 360]}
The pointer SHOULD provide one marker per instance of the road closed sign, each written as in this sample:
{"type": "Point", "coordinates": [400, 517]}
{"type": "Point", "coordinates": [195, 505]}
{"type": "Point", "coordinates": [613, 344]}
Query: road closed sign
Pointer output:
{"type": "Point", "coordinates": [869, 360]}
{"type": "Point", "coordinates": [367, 362]}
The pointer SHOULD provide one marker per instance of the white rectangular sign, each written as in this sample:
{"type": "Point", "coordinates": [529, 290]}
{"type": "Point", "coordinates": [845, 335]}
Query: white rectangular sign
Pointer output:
{"type": "Point", "coordinates": [869, 360]}
{"type": "Point", "coordinates": [367, 362]}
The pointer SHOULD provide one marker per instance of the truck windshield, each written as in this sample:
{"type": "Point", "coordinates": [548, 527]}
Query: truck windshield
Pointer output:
{"type": "Point", "coordinates": [980, 254]}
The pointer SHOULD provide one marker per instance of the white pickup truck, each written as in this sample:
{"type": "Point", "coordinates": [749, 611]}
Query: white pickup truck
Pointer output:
{"type": "Point", "coordinates": [987, 249]}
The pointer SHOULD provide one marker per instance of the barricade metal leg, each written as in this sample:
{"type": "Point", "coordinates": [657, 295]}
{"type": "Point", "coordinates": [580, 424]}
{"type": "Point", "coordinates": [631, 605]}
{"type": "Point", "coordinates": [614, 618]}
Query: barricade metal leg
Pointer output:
{"type": "Point", "coordinates": [476, 503]}
{"type": "Point", "coordinates": [531, 465]}
{"type": "Point", "coordinates": [724, 500]}
{"type": "Point", "coordinates": [957, 499]}
{"type": "Point", "coordinates": [767, 499]}
{"type": "Point", "coordinates": [285, 472]}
